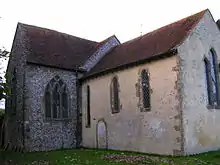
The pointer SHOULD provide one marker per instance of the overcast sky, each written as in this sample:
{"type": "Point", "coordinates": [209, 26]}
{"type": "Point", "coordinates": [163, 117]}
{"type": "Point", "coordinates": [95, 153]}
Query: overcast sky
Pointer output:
{"type": "Point", "coordinates": [97, 19]}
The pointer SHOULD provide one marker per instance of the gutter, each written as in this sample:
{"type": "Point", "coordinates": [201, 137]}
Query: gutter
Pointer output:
{"type": "Point", "coordinates": [77, 69]}
{"type": "Point", "coordinates": [169, 53]}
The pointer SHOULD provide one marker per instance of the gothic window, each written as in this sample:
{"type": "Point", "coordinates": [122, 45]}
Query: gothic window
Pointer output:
{"type": "Point", "coordinates": [115, 95]}
{"type": "Point", "coordinates": [48, 102]}
{"type": "Point", "coordinates": [64, 102]}
{"type": "Point", "coordinates": [213, 65]}
{"type": "Point", "coordinates": [56, 100]}
{"type": "Point", "coordinates": [145, 90]}
{"type": "Point", "coordinates": [88, 107]}
{"type": "Point", "coordinates": [212, 78]}
{"type": "Point", "coordinates": [208, 80]}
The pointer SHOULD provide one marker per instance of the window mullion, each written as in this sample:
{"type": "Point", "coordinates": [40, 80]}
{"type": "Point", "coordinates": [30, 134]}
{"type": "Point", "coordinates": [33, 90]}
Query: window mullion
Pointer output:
{"type": "Point", "coordinates": [61, 105]}
{"type": "Point", "coordinates": [210, 84]}
{"type": "Point", "coordinates": [51, 102]}
{"type": "Point", "coordinates": [67, 104]}
{"type": "Point", "coordinates": [56, 90]}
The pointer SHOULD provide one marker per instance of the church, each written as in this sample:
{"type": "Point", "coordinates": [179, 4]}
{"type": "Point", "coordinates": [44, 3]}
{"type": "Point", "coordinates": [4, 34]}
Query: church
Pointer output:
{"type": "Point", "coordinates": [158, 93]}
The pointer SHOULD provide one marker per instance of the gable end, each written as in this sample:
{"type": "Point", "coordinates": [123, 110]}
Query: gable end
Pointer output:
{"type": "Point", "coordinates": [105, 48]}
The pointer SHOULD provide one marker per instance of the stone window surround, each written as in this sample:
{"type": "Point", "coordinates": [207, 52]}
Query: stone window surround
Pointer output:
{"type": "Point", "coordinates": [208, 79]}
{"type": "Point", "coordinates": [216, 71]}
{"type": "Point", "coordinates": [88, 99]}
{"type": "Point", "coordinates": [145, 91]}
{"type": "Point", "coordinates": [112, 99]}
{"type": "Point", "coordinates": [140, 91]}
{"type": "Point", "coordinates": [51, 119]}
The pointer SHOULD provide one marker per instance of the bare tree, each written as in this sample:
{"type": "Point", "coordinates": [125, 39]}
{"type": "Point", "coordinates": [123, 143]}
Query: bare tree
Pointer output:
{"type": "Point", "coordinates": [3, 86]}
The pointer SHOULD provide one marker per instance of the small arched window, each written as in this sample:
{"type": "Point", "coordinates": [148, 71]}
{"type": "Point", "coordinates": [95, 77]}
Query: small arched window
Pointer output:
{"type": "Point", "coordinates": [115, 95]}
{"type": "Point", "coordinates": [56, 99]}
{"type": "Point", "coordinates": [145, 85]}
{"type": "Point", "coordinates": [88, 107]}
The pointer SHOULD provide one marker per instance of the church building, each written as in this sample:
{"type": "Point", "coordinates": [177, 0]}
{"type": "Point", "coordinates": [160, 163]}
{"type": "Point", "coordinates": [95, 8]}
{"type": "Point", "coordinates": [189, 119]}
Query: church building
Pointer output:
{"type": "Point", "coordinates": [158, 93]}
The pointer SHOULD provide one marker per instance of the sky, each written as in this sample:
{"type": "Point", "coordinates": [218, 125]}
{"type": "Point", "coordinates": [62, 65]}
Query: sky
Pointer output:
{"type": "Point", "coordinates": [97, 19]}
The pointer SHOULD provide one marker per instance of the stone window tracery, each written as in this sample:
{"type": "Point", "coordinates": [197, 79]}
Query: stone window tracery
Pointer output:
{"type": "Point", "coordinates": [56, 100]}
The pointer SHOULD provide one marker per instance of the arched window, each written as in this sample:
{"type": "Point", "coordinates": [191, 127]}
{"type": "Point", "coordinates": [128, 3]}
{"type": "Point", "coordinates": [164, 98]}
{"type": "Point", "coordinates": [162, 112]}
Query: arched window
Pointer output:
{"type": "Point", "coordinates": [214, 75]}
{"type": "Point", "coordinates": [88, 107]}
{"type": "Point", "coordinates": [145, 85]}
{"type": "Point", "coordinates": [56, 99]}
{"type": "Point", "coordinates": [115, 95]}
{"type": "Point", "coordinates": [212, 78]}
{"type": "Point", "coordinates": [208, 80]}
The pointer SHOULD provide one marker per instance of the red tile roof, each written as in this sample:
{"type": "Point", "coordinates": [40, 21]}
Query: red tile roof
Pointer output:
{"type": "Point", "coordinates": [52, 48]}
{"type": "Point", "coordinates": [149, 45]}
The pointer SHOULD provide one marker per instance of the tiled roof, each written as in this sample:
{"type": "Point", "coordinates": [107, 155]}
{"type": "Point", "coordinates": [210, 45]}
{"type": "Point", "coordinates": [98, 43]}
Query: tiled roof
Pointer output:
{"type": "Point", "coordinates": [56, 49]}
{"type": "Point", "coordinates": [149, 45]}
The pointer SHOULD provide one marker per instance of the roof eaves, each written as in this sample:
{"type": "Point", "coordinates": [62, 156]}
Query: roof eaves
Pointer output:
{"type": "Point", "coordinates": [78, 69]}
{"type": "Point", "coordinates": [169, 53]}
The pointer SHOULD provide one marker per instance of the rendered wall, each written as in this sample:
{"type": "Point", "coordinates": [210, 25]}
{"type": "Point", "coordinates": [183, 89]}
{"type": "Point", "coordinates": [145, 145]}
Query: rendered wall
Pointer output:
{"type": "Point", "coordinates": [157, 131]}
{"type": "Point", "coordinates": [201, 124]}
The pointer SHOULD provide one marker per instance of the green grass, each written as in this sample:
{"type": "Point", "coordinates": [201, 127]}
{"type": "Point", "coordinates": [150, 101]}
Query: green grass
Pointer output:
{"type": "Point", "coordinates": [103, 157]}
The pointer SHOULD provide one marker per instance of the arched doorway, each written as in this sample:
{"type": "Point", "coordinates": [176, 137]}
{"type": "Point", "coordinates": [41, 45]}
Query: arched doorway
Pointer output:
{"type": "Point", "coordinates": [101, 134]}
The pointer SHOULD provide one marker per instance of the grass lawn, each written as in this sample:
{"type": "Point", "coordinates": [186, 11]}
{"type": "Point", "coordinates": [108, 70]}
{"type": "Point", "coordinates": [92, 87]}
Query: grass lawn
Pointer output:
{"type": "Point", "coordinates": [103, 157]}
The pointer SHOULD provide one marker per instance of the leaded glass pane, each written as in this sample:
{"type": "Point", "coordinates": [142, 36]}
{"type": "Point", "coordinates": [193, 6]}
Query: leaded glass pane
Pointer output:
{"type": "Point", "coordinates": [48, 104]}
{"type": "Point", "coordinates": [56, 102]}
{"type": "Point", "coordinates": [88, 106]}
{"type": "Point", "coordinates": [213, 76]}
{"type": "Point", "coordinates": [115, 95]}
{"type": "Point", "coordinates": [145, 89]}
{"type": "Point", "coordinates": [56, 99]}
{"type": "Point", "coordinates": [208, 82]}
{"type": "Point", "coordinates": [60, 82]}
{"type": "Point", "coordinates": [65, 104]}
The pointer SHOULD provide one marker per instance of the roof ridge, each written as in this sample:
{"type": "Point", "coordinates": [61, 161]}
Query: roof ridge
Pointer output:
{"type": "Point", "coordinates": [156, 44]}
{"type": "Point", "coordinates": [170, 24]}
{"type": "Point", "coordinates": [56, 49]}
{"type": "Point", "coordinates": [52, 30]}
